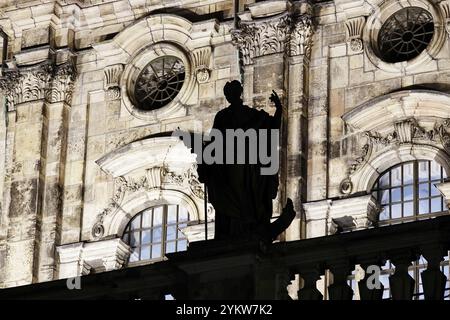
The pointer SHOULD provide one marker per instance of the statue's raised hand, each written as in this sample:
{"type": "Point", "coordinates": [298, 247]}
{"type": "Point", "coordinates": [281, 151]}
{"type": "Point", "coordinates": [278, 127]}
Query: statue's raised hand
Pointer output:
{"type": "Point", "coordinates": [275, 99]}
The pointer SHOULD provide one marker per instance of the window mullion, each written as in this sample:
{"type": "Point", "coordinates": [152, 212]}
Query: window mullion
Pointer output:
{"type": "Point", "coordinates": [415, 189]}
{"type": "Point", "coordinates": [164, 231]}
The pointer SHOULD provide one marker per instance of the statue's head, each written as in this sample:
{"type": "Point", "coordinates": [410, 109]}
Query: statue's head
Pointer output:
{"type": "Point", "coordinates": [233, 91]}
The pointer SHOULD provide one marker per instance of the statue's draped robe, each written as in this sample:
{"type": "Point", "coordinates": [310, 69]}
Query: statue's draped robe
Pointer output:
{"type": "Point", "coordinates": [241, 196]}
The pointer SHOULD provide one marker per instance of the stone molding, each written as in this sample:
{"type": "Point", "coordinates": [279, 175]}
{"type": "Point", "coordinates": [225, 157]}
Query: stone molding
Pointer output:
{"type": "Point", "coordinates": [378, 15]}
{"type": "Point", "coordinates": [149, 38]}
{"type": "Point", "coordinates": [415, 125]}
{"type": "Point", "coordinates": [112, 81]}
{"type": "Point", "coordinates": [81, 258]}
{"type": "Point", "coordinates": [145, 173]}
{"type": "Point", "coordinates": [444, 188]}
{"type": "Point", "coordinates": [355, 29]}
{"type": "Point", "coordinates": [340, 215]}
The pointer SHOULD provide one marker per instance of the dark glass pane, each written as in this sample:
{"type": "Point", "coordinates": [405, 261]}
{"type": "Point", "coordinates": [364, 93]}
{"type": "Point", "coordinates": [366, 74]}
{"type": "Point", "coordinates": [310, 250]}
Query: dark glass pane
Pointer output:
{"type": "Point", "coordinates": [405, 34]}
{"type": "Point", "coordinates": [159, 82]}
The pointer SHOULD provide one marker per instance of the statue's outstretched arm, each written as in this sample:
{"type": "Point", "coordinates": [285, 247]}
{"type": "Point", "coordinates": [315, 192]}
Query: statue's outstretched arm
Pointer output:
{"type": "Point", "coordinates": [276, 121]}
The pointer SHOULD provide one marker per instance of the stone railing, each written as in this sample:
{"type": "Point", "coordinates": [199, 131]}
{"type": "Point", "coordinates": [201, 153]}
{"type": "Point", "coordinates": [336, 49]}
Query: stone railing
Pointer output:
{"type": "Point", "coordinates": [216, 270]}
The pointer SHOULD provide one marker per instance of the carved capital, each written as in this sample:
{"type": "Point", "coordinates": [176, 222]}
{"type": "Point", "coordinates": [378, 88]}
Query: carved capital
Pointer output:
{"type": "Point", "coordinates": [45, 81]}
{"type": "Point", "coordinates": [287, 32]}
{"type": "Point", "coordinates": [300, 37]}
{"type": "Point", "coordinates": [111, 81]}
{"type": "Point", "coordinates": [61, 83]}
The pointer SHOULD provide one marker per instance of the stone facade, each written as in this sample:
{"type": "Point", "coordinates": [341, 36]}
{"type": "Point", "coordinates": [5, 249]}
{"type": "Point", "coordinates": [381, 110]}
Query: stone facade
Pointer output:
{"type": "Point", "coordinates": [79, 158]}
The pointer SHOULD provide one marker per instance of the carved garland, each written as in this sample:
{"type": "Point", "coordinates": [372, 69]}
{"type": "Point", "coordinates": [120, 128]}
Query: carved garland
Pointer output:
{"type": "Point", "coordinates": [291, 33]}
{"type": "Point", "coordinates": [46, 81]}
{"type": "Point", "coordinates": [154, 178]}
{"type": "Point", "coordinates": [405, 131]}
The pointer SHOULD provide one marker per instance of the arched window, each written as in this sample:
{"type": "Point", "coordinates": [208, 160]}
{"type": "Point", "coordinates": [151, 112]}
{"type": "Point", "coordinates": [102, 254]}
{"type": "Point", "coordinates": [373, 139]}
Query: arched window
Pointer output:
{"type": "Point", "coordinates": [407, 192]}
{"type": "Point", "coordinates": [156, 231]}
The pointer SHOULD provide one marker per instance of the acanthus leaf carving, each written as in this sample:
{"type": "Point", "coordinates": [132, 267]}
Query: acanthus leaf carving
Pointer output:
{"type": "Point", "coordinates": [406, 131]}
{"type": "Point", "coordinates": [44, 81]}
{"type": "Point", "coordinates": [287, 32]}
{"type": "Point", "coordinates": [300, 38]}
{"type": "Point", "coordinates": [154, 178]}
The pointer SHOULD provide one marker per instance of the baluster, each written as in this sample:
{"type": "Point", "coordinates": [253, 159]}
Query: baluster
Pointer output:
{"type": "Point", "coordinates": [401, 283]}
{"type": "Point", "coordinates": [310, 275]}
{"type": "Point", "coordinates": [432, 278]}
{"type": "Point", "coordinates": [340, 290]}
{"type": "Point", "coordinates": [368, 288]}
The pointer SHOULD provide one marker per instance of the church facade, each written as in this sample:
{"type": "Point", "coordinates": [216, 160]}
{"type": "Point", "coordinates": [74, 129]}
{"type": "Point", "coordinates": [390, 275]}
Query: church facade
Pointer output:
{"type": "Point", "coordinates": [92, 179]}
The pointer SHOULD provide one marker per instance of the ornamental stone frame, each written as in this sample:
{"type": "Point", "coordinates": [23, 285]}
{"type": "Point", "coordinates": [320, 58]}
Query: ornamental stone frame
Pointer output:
{"type": "Point", "coordinates": [414, 126]}
{"type": "Point", "coordinates": [152, 37]}
{"type": "Point", "coordinates": [143, 174]}
{"type": "Point", "coordinates": [381, 12]}
{"type": "Point", "coordinates": [82, 258]}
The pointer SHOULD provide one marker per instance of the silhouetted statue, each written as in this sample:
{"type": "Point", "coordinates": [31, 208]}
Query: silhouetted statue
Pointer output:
{"type": "Point", "coordinates": [241, 195]}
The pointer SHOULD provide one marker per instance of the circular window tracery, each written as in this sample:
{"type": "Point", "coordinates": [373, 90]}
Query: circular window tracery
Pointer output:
{"type": "Point", "coordinates": [405, 34]}
{"type": "Point", "coordinates": [159, 82]}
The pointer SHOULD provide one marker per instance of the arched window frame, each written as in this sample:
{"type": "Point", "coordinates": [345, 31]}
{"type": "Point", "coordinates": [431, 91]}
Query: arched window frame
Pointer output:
{"type": "Point", "coordinates": [141, 233]}
{"type": "Point", "coordinates": [413, 197]}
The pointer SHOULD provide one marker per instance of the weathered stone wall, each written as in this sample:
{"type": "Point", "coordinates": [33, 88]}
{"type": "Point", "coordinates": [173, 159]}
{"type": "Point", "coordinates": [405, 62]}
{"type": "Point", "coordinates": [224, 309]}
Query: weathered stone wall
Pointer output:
{"type": "Point", "coordinates": [68, 113]}
{"type": "Point", "coordinates": [53, 189]}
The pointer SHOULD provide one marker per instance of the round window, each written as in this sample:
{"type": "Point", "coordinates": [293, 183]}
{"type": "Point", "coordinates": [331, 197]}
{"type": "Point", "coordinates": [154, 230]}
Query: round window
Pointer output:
{"type": "Point", "coordinates": [405, 34]}
{"type": "Point", "coordinates": [159, 82]}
